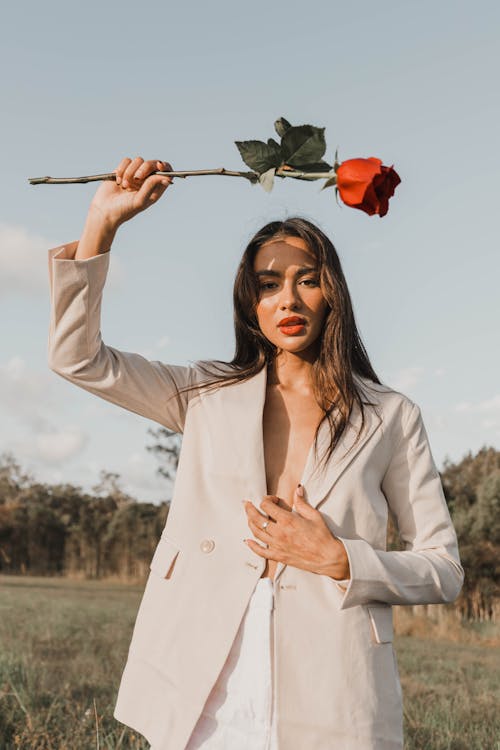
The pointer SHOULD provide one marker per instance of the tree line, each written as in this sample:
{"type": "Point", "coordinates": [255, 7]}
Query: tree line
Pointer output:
{"type": "Point", "coordinates": [58, 529]}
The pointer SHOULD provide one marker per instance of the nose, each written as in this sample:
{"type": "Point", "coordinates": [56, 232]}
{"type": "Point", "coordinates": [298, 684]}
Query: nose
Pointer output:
{"type": "Point", "coordinates": [290, 297]}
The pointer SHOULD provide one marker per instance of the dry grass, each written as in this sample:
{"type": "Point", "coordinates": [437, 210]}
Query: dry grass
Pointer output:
{"type": "Point", "coordinates": [63, 644]}
{"type": "Point", "coordinates": [441, 622]}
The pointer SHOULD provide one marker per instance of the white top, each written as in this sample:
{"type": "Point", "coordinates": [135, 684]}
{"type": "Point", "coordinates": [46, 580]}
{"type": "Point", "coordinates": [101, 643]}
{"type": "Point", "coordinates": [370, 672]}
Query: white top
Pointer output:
{"type": "Point", "coordinates": [238, 714]}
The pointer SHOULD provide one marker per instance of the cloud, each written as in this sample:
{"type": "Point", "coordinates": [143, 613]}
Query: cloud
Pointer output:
{"type": "Point", "coordinates": [54, 447]}
{"type": "Point", "coordinates": [23, 262]}
{"type": "Point", "coordinates": [163, 342]}
{"type": "Point", "coordinates": [153, 351]}
{"type": "Point", "coordinates": [139, 472]}
{"type": "Point", "coordinates": [487, 410]}
{"type": "Point", "coordinates": [489, 423]}
{"type": "Point", "coordinates": [21, 268]}
{"type": "Point", "coordinates": [464, 406]}
{"type": "Point", "coordinates": [28, 399]}
{"type": "Point", "coordinates": [50, 448]}
{"type": "Point", "coordinates": [25, 394]}
{"type": "Point", "coordinates": [486, 406]}
{"type": "Point", "coordinates": [439, 421]}
{"type": "Point", "coordinates": [406, 379]}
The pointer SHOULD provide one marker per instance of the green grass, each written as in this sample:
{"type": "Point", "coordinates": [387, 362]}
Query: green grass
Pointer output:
{"type": "Point", "coordinates": [451, 694]}
{"type": "Point", "coordinates": [63, 645]}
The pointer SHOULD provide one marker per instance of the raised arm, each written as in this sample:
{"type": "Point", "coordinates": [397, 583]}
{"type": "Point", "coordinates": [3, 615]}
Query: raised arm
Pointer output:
{"type": "Point", "coordinates": [77, 274]}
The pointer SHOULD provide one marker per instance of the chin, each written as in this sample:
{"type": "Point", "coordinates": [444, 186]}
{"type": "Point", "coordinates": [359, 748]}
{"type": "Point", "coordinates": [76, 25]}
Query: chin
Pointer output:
{"type": "Point", "coordinates": [295, 349]}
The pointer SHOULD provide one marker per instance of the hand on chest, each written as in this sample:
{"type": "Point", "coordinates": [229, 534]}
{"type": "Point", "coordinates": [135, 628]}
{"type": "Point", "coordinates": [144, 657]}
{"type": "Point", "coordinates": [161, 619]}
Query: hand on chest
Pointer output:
{"type": "Point", "coordinates": [254, 441]}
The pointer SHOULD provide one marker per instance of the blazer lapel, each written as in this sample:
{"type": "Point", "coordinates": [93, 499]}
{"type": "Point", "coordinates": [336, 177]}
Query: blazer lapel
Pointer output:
{"type": "Point", "coordinates": [238, 448]}
{"type": "Point", "coordinates": [318, 483]}
{"type": "Point", "coordinates": [242, 405]}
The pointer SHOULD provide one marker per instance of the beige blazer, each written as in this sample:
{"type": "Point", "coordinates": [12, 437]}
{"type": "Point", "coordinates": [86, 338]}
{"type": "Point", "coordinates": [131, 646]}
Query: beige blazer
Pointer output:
{"type": "Point", "coordinates": [335, 671]}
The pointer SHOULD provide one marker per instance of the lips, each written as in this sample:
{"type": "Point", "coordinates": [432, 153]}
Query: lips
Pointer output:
{"type": "Point", "coordinates": [292, 321]}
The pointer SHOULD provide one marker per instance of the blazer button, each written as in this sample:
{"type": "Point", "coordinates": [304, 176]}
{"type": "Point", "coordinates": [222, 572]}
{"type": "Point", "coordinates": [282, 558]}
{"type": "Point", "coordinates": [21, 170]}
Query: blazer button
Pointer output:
{"type": "Point", "coordinates": [207, 545]}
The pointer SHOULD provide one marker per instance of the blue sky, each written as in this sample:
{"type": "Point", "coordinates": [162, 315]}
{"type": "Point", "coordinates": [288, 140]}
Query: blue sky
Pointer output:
{"type": "Point", "coordinates": [85, 84]}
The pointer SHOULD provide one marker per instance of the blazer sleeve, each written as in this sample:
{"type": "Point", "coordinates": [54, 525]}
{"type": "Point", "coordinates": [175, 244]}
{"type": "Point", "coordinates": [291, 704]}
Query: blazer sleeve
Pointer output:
{"type": "Point", "coordinates": [77, 352]}
{"type": "Point", "coordinates": [428, 571]}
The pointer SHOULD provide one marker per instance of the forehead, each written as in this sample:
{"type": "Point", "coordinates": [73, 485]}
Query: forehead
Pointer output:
{"type": "Point", "coordinates": [282, 252]}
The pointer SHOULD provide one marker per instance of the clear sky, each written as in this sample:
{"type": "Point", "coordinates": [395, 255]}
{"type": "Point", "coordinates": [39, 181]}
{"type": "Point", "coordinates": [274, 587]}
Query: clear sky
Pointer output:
{"type": "Point", "coordinates": [83, 85]}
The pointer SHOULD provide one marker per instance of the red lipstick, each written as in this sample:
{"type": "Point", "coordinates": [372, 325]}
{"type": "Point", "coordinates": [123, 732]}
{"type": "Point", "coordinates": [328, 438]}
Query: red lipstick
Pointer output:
{"type": "Point", "coordinates": [292, 324]}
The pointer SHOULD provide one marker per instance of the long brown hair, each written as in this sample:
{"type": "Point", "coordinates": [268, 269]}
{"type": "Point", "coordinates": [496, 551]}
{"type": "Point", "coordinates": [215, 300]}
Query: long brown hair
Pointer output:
{"type": "Point", "coordinates": [341, 351]}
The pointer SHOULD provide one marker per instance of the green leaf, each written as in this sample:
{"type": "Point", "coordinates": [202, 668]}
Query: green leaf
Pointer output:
{"type": "Point", "coordinates": [317, 166]}
{"type": "Point", "coordinates": [336, 163]}
{"type": "Point", "coordinates": [303, 144]}
{"type": "Point", "coordinates": [275, 147]}
{"type": "Point", "coordinates": [258, 155]}
{"type": "Point", "coordinates": [281, 126]}
{"type": "Point", "coordinates": [266, 179]}
{"type": "Point", "coordinates": [320, 166]}
{"type": "Point", "coordinates": [274, 144]}
{"type": "Point", "coordinates": [329, 183]}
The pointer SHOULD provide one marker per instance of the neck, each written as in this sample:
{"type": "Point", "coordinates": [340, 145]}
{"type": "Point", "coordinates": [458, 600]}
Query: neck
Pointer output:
{"type": "Point", "coordinates": [290, 371]}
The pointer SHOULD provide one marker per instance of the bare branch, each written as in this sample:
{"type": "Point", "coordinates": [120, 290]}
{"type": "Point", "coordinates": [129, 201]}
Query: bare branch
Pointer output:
{"type": "Point", "coordinates": [253, 177]}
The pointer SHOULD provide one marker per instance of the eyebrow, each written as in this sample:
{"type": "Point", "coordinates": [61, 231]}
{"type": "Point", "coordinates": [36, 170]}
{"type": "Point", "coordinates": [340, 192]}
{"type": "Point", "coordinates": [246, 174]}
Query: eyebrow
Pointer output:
{"type": "Point", "coordinates": [301, 271]}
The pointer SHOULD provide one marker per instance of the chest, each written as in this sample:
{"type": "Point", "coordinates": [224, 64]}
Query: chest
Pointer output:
{"type": "Point", "coordinates": [289, 424]}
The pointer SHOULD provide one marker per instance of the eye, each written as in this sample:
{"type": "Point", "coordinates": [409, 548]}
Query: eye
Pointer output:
{"type": "Point", "coordinates": [268, 284]}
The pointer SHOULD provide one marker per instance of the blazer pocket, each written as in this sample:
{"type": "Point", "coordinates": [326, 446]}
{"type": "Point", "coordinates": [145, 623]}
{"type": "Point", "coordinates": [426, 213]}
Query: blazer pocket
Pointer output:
{"type": "Point", "coordinates": [164, 558]}
{"type": "Point", "coordinates": [380, 616]}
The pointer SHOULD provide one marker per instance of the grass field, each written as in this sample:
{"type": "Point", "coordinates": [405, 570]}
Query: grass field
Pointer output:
{"type": "Point", "coordinates": [63, 644]}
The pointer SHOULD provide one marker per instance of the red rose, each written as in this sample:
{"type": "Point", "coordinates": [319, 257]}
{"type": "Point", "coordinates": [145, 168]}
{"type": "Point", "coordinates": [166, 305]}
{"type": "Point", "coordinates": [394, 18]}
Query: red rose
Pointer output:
{"type": "Point", "coordinates": [366, 184]}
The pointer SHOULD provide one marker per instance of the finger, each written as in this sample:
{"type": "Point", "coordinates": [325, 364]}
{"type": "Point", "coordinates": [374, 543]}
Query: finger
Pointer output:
{"type": "Point", "coordinates": [253, 511]}
{"type": "Point", "coordinates": [155, 195]}
{"type": "Point", "coordinates": [143, 170]}
{"type": "Point", "coordinates": [279, 502]}
{"type": "Point", "coordinates": [147, 168]}
{"type": "Point", "coordinates": [256, 517]}
{"type": "Point", "coordinates": [165, 166]}
{"type": "Point", "coordinates": [303, 507]}
{"type": "Point", "coordinates": [274, 511]}
{"type": "Point", "coordinates": [121, 169]}
{"type": "Point", "coordinates": [274, 499]}
{"type": "Point", "coordinates": [130, 170]}
{"type": "Point", "coordinates": [153, 184]}
{"type": "Point", "coordinates": [259, 532]}
{"type": "Point", "coordinates": [259, 549]}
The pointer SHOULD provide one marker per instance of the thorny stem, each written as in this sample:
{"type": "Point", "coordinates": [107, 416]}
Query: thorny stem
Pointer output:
{"type": "Point", "coordinates": [251, 176]}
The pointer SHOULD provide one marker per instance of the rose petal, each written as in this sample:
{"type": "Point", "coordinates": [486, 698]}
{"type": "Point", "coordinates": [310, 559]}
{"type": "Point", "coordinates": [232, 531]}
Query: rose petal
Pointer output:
{"type": "Point", "coordinates": [367, 184]}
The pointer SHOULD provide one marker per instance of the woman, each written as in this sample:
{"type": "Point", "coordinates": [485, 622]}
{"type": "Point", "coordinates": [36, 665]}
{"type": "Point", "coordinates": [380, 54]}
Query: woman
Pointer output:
{"type": "Point", "coordinates": [285, 640]}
